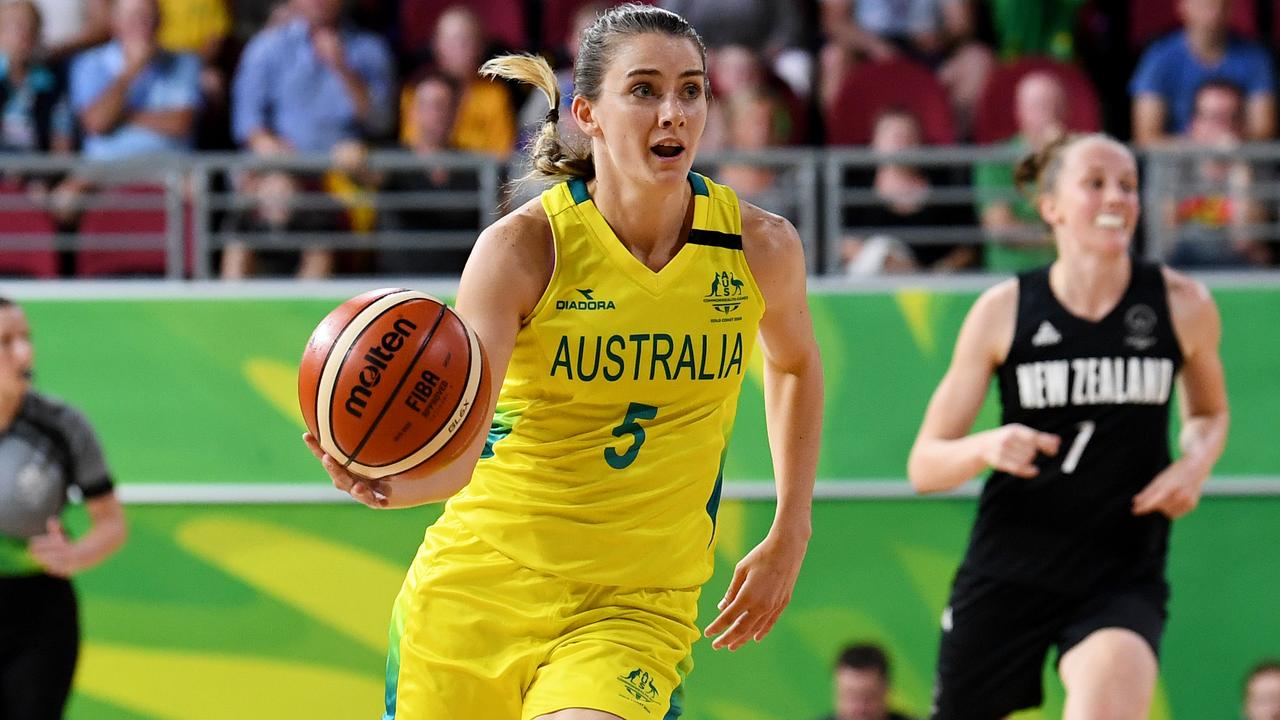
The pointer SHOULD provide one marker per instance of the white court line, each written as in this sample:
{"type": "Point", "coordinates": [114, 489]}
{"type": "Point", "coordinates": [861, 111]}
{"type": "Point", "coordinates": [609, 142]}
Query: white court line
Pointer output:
{"type": "Point", "coordinates": [758, 490]}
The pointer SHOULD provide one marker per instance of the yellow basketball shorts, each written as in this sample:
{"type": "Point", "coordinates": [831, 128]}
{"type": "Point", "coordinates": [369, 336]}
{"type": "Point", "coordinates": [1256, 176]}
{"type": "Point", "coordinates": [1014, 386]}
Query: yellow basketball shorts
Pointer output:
{"type": "Point", "coordinates": [476, 636]}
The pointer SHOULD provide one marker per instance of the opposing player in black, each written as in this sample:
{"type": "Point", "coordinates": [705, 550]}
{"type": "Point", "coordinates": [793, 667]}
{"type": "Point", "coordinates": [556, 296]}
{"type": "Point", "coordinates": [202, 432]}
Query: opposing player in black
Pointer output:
{"type": "Point", "coordinates": [1069, 546]}
{"type": "Point", "coordinates": [46, 448]}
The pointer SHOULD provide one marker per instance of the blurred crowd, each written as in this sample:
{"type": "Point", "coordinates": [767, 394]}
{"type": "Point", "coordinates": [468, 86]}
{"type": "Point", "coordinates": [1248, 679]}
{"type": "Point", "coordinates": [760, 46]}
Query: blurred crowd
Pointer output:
{"type": "Point", "coordinates": [114, 80]}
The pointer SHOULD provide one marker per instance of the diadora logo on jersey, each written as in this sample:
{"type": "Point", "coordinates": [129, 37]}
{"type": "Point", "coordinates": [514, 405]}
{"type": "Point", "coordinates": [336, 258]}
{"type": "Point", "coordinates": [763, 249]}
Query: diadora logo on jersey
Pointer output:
{"type": "Point", "coordinates": [727, 293]}
{"type": "Point", "coordinates": [1046, 335]}
{"type": "Point", "coordinates": [1141, 322]}
{"type": "Point", "coordinates": [639, 686]}
{"type": "Point", "coordinates": [587, 301]}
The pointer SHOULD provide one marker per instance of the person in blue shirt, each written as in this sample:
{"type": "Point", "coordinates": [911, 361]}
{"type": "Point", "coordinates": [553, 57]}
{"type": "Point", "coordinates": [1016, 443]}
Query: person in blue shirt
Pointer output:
{"type": "Point", "coordinates": [315, 84]}
{"type": "Point", "coordinates": [311, 83]}
{"type": "Point", "coordinates": [1170, 72]}
{"type": "Point", "coordinates": [132, 97]}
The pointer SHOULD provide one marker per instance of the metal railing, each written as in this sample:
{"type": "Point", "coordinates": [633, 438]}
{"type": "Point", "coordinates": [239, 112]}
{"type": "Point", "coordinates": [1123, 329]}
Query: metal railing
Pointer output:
{"type": "Point", "coordinates": [195, 198]}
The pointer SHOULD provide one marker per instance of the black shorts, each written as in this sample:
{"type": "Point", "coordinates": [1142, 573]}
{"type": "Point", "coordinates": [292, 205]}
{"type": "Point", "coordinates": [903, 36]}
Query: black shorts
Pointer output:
{"type": "Point", "coordinates": [39, 643]}
{"type": "Point", "coordinates": [996, 635]}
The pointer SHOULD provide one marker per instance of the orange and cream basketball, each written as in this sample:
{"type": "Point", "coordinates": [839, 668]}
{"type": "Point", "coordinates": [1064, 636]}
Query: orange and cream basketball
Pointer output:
{"type": "Point", "coordinates": [392, 381]}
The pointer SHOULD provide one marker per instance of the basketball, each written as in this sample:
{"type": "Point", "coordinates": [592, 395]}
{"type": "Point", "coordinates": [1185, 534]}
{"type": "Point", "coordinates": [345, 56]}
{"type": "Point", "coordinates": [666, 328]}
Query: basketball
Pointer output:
{"type": "Point", "coordinates": [393, 380]}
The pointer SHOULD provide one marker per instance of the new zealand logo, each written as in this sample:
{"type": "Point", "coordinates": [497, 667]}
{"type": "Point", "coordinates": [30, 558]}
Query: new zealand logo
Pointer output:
{"type": "Point", "coordinates": [1141, 323]}
{"type": "Point", "coordinates": [640, 687]}
{"type": "Point", "coordinates": [727, 293]}
{"type": "Point", "coordinates": [588, 302]}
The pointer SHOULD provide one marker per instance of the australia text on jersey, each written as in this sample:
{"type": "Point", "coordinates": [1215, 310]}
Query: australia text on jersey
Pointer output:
{"type": "Point", "coordinates": [648, 356]}
{"type": "Point", "coordinates": [1095, 381]}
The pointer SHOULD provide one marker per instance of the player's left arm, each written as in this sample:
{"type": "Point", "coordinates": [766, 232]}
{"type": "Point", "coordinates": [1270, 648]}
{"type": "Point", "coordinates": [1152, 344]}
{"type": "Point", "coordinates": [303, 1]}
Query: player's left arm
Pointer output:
{"type": "Point", "coordinates": [1203, 401]}
{"type": "Point", "coordinates": [763, 580]}
{"type": "Point", "coordinates": [63, 556]}
{"type": "Point", "coordinates": [57, 552]}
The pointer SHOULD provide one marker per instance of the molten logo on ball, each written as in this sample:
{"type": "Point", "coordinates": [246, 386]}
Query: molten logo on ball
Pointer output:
{"type": "Point", "coordinates": [378, 357]}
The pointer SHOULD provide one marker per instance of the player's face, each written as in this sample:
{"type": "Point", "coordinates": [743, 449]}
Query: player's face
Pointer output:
{"type": "Point", "coordinates": [1262, 701]}
{"type": "Point", "coordinates": [860, 695]}
{"type": "Point", "coordinates": [1094, 204]}
{"type": "Point", "coordinates": [16, 351]}
{"type": "Point", "coordinates": [652, 108]}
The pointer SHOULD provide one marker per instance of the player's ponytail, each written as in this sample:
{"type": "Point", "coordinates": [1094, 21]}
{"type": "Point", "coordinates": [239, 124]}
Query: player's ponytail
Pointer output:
{"type": "Point", "coordinates": [551, 157]}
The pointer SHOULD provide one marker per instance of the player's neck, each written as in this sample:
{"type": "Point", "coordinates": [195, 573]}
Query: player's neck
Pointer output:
{"type": "Point", "coordinates": [1089, 286]}
{"type": "Point", "coordinates": [10, 403]}
{"type": "Point", "coordinates": [648, 220]}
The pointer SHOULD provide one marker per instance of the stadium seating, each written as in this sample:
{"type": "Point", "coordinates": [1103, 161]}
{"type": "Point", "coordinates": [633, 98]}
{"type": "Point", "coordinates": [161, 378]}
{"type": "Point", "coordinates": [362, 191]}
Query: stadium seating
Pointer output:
{"type": "Point", "coordinates": [872, 88]}
{"type": "Point", "coordinates": [116, 216]}
{"type": "Point", "coordinates": [994, 120]}
{"type": "Point", "coordinates": [35, 225]}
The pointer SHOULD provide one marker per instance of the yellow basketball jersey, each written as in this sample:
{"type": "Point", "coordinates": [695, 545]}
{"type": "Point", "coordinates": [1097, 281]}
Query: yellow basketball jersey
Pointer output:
{"type": "Point", "coordinates": [605, 455]}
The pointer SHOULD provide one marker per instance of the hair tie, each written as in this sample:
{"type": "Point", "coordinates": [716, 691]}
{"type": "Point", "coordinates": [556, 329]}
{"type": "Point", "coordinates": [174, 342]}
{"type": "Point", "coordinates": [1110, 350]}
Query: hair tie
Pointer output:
{"type": "Point", "coordinates": [553, 115]}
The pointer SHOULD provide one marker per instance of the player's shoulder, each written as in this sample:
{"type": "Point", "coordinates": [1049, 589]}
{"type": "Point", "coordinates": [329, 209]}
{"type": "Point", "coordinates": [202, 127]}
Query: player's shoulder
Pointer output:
{"type": "Point", "coordinates": [1191, 305]}
{"type": "Point", "coordinates": [521, 235]}
{"type": "Point", "coordinates": [513, 258]}
{"type": "Point", "coordinates": [767, 234]}
{"type": "Point", "coordinates": [1184, 289]}
{"type": "Point", "coordinates": [54, 413]}
{"type": "Point", "coordinates": [999, 300]}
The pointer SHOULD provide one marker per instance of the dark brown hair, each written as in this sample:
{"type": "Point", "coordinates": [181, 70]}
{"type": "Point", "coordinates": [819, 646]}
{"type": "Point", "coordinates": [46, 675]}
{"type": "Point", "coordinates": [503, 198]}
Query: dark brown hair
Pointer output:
{"type": "Point", "coordinates": [551, 157]}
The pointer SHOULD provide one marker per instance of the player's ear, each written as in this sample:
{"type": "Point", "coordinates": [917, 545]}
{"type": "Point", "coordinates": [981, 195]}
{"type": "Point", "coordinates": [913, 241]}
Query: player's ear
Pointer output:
{"type": "Point", "coordinates": [582, 114]}
{"type": "Point", "coordinates": [1048, 208]}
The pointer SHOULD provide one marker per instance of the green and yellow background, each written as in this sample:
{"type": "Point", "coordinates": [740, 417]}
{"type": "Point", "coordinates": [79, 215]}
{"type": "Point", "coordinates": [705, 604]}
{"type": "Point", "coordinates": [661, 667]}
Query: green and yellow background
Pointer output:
{"type": "Point", "coordinates": [280, 611]}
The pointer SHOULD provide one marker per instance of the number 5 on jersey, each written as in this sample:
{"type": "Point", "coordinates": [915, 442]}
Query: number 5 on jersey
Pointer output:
{"type": "Point", "coordinates": [630, 426]}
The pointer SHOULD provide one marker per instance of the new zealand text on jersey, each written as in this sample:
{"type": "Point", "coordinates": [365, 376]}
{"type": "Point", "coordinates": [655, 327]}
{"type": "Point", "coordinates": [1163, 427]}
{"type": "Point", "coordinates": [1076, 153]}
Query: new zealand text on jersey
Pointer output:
{"type": "Point", "coordinates": [648, 356]}
{"type": "Point", "coordinates": [1095, 381]}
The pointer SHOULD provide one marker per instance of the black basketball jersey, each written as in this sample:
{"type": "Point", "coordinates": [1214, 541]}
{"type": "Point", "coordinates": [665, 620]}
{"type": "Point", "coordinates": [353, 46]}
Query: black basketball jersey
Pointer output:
{"type": "Point", "coordinates": [1104, 388]}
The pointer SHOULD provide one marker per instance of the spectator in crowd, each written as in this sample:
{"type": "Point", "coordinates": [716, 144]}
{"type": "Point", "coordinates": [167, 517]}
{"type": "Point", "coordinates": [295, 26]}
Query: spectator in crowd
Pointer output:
{"type": "Point", "coordinates": [435, 105]}
{"type": "Point", "coordinates": [1212, 208]}
{"type": "Point", "coordinates": [1262, 691]}
{"type": "Point", "coordinates": [936, 32]}
{"type": "Point", "coordinates": [1045, 28]}
{"type": "Point", "coordinates": [772, 29]}
{"type": "Point", "coordinates": [34, 115]}
{"type": "Point", "coordinates": [1164, 85]}
{"type": "Point", "coordinates": [735, 70]}
{"type": "Point", "coordinates": [898, 222]}
{"type": "Point", "coordinates": [1016, 238]}
{"type": "Point", "coordinates": [486, 119]}
{"type": "Point", "coordinates": [861, 681]}
{"type": "Point", "coordinates": [203, 28]}
{"type": "Point", "coordinates": [133, 97]}
{"type": "Point", "coordinates": [755, 120]}
{"type": "Point", "coordinates": [313, 84]}
{"type": "Point", "coordinates": [71, 26]}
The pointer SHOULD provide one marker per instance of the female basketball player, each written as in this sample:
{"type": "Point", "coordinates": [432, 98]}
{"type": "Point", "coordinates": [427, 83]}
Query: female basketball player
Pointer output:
{"type": "Point", "coordinates": [46, 447]}
{"type": "Point", "coordinates": [619, 312]}
{"type": "Point", "coordinates": [1070, 541]}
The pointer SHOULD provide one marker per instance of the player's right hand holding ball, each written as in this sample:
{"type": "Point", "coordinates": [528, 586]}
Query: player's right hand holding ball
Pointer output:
{"type": "Point", "coordinates": [374, 493]}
